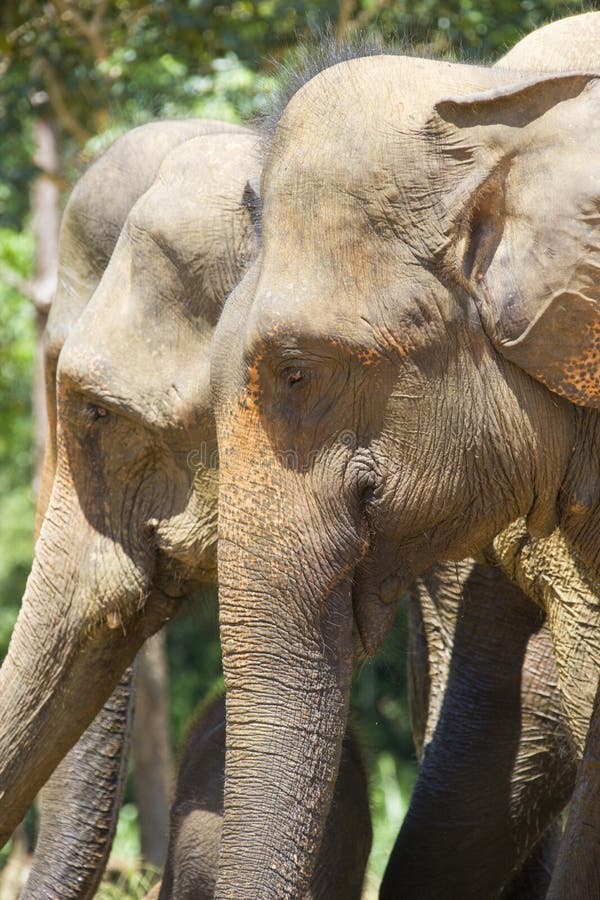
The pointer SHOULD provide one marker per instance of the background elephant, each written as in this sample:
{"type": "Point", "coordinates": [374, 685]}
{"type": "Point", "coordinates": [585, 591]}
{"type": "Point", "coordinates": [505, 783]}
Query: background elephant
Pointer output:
{"type": "Point", "coordinates": [80, 803]}
{"type": "Point", "coordinates": [496, 760]}
{"type": "Point", "coordinates": [447, 791]}
{"type": "Point", "coordinates": [196, 816]}
{"type": "Point", "coordinates": [412, 417]}
{"type": "Point", "coordinates": [130, 523]}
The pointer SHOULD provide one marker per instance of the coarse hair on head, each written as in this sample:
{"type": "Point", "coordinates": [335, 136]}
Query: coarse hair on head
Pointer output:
{"type": "Point", "coordinates": [311, 59]}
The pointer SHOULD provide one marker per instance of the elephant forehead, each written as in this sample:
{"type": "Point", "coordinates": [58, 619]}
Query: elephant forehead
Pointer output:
{"type": "Point", "coordinates": [334, 133]}
{"type": "Point", "coordinates": [186, 237]}
{"type": "Point", "coordinates": [350, 114]}
{"type": "Point", "coordinates": [133, 348]}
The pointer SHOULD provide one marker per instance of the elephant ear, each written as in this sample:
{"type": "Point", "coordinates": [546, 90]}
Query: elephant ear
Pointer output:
{"type": "Point", "coordinates": [528, 239]}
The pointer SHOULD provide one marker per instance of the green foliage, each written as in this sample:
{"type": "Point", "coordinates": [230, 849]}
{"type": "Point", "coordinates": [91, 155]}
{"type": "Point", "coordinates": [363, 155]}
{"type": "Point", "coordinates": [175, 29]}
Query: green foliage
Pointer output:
{"type": "Point", "coordinates": [128, 881]}
{"type": "Point", "coordinates": [17, 344]}
{"type": "Point", "coordinates": [473, 28]}
{"type": "Point", "coordinates": [194, 654]}
{"type": "Point", "coordinates": [103, 67]}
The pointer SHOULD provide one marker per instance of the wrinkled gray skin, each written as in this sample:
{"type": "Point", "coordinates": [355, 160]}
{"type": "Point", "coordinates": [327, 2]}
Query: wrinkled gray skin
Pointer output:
{"type": "Point", "coordinates": [81, 801]}
{"type": "Point", "coordinates": [408, 369]}
{"type": "Point", "coordinates": [131, 521]}
{"type": "Point", "coordinates": [570, 44]}
{"type": "Point", "coordinates": [197, 811]}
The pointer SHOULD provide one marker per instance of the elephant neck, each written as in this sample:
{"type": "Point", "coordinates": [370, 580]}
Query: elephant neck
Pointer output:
{"type": "Point", "coordinates": [579, 500]}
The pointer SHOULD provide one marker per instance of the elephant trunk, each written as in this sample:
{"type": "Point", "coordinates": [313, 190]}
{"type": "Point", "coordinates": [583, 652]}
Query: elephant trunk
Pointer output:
{"type": "Point", "coordinates": [80, 805]}
{"type": "Point", "coordinates": [75, 635]}
{"type": "Point", "coordinates": [288, 687]}
{"type": "Point", "coordinates": [292, 532]}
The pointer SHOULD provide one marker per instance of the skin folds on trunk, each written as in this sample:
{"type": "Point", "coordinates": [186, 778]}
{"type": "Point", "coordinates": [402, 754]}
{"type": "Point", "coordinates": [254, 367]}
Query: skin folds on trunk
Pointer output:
{"type": "Point", "coordinates": [287, 667]}
{"type": "Point", "coordinates": [196, 819]}
{"type": "Point", "coordinates": [284, 735]}
{"type": "Point", "coordinates": [79, 806]}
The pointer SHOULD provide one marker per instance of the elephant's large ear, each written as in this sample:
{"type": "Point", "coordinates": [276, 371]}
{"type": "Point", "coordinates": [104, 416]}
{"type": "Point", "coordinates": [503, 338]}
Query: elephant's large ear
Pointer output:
{"type": "Point", "coordinates": [528, 233]}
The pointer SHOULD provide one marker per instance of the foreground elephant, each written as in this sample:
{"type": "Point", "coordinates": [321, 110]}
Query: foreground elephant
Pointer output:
{"type": "Point", "coordinates": [79, 808]}
{"type": "Point", "coordinates": [407, 369]}
{"type": "Point", "coordinates": [196, 816]}
{"type": "Point", "coordinates": [80, 803]}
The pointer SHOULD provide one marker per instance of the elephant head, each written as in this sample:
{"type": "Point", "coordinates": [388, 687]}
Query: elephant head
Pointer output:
{"type": "Point", "coordinates": [403, 372]}
{"type": "Point", "coordinates": [130, 524]}
{"type": "Point", "coordinates": [91, 224]}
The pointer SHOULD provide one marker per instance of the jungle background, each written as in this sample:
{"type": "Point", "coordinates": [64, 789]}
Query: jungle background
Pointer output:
{"type": "Point", "coordinates": [74, 75]}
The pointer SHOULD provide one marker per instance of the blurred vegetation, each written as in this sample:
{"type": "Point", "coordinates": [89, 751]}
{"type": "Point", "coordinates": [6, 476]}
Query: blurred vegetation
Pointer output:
{"type": "Point", "coordinates": [93, 69]}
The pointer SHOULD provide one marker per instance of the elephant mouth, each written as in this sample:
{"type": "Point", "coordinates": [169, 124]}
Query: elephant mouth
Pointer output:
{"type": "Point", "coordinates": [376, 592]}
{"type": "Point", "coordinates": [176, 580]}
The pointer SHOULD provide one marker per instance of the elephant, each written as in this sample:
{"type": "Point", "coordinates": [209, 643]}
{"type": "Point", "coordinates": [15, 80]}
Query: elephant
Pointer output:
{"type": "Point", "coordinates": [440, 404]}
{"type": "Point", "coordinates": [130, 523]}
{"type": "Point", "coordinates": [566, 44]}
{"type": "Point", "coordinates": [81, 800]}
{"type": "Point", "coordinates": [482, 670]}
{"type": "Point", "coordinates": [445, 794]}
{"type": "Point", "coordinates": [194, 837]}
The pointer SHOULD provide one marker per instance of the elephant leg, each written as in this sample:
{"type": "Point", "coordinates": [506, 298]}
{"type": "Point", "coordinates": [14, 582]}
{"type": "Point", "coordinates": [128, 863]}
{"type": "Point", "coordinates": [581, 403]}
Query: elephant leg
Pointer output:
{"type": "Point", "coordinates": [532, 881]}
{"type": "Point", "coordinates": [197, 814]}
{"type": "Point", "coordinates": [496, 761]}
{"type": "Point", "coordinates": [80, 805]}
{"type": "Point", "coordinates": [577, 871]}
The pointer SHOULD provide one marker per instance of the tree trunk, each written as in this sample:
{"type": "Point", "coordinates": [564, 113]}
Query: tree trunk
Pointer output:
{"type": "Point", "coordinates": [151, 750]}
{"type": "Point", "coordinates": [45, 208]}
{"type": "Point", "coordinates": [346, 9]}
{"type": "Point", "coordinates": [15, 872]}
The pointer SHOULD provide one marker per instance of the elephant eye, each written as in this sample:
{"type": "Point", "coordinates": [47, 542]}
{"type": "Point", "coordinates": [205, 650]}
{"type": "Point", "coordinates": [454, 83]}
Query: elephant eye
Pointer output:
{"type": "Point", "coordinates": [95, 412]}
{"type": "Point", "coordinates": [294, 376]}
